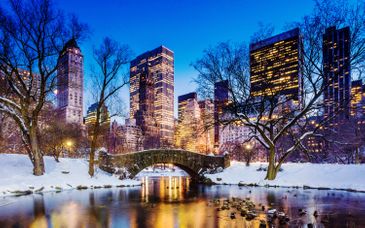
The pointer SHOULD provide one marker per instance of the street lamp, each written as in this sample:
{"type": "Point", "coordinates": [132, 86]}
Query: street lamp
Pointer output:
{"type": "Point", "coordinates": [69, 143]}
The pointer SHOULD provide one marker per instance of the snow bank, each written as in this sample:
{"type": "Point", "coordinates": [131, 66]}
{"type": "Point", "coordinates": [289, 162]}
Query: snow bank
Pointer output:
{"type": "Point", "coordinates": [334, 176]}
{"type": "Point", "coordinates": [176, 172]}
{"type": "Point", "coordinates": [16, 175]}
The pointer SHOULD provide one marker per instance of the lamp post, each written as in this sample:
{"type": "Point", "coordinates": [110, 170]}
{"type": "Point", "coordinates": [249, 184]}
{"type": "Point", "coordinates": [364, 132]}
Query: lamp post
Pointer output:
{"type": "Point", "coordinates": [248, 148]}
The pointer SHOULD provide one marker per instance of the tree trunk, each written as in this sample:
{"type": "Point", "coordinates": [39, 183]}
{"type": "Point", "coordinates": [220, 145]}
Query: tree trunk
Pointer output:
{"type": "Point", "coordinates": [248, 160]}
{"type": "Point", "coordinates": [271, 170]}
{"type": "Point", "coordinates": [38, 163]}
{"type": "Point", "coordinates": [357, 156]}
{"type": "Point", "coordinates": [92, 155]}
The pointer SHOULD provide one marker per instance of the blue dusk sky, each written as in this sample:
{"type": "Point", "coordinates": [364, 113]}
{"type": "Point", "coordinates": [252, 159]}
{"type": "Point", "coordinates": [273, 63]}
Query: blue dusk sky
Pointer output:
{"type": "Point", "coordinates": [186, 27]}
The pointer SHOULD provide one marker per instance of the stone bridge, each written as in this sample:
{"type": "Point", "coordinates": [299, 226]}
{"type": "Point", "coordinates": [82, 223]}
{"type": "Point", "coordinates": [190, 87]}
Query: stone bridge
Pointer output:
{"type": "Point", "coordinates": [130, 164]}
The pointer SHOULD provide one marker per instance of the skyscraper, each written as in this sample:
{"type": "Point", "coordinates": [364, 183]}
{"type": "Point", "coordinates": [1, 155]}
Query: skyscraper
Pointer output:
{"type": "Point", "coordinates": [336, 66]}
{"type": "Point", "coordinates": [152, 96]}
{"type": "Point", "coordinates": [221, 99]}
{"type": "Point", "coordinates": [189, 128]}
{"type": "Point", "coordinates": [275, 66]}
{"type": "Point", "coordinates": [70, 83]}
{"type": "Point", "coordinates": [90, 118]}
{"type": "Point", "coordinates": [183, 101]}
{"type": "Point", "coordinates": [356, 98]}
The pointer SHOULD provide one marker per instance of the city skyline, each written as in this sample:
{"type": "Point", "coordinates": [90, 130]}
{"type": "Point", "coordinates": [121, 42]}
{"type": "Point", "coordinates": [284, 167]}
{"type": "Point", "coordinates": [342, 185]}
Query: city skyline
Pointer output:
{"type": "Point", "coordinates": [179, 32]}
{"type": "Point", "coordinates": [173, 113]}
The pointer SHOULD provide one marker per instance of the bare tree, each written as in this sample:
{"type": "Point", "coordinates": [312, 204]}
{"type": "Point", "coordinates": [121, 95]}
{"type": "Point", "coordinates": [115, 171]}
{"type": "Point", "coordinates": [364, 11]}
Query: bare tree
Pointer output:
{"type": "Point", "coordinates": [32, 34]}
{"type": "Point", "coordinates": [110, 58]}
{"type": "Point", "coordinates": [60, 138]}
{"type": "Point", "coordinates": [272, 117]}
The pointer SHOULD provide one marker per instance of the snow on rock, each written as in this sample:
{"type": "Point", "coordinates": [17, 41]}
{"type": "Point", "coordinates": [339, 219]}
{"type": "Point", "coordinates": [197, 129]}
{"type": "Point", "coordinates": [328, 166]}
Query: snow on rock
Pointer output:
{"type": "Point", "coordinates": [334, 176]}
{"type": "Point", "coordinates": [16, 175]}
{"type": "Point", "coordinates": [176, 172]}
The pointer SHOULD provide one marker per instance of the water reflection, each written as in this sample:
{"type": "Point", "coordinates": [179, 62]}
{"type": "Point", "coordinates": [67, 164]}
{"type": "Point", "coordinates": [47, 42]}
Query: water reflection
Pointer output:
{"type": "Point", "coordinates": [164, 188]}
{"type": "Point", "coordinates": [175, 202]}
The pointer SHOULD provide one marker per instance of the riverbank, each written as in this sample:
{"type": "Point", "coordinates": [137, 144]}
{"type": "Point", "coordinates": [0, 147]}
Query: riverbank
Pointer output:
{"type": "Point", "coordinates": [306, 175]}
{"type": "Point", "coordinates": [16, 176]}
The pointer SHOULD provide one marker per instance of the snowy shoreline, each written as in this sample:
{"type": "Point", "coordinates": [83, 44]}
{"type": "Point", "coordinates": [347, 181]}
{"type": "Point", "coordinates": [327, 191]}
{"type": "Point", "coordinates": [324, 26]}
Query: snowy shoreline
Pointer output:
{"type": "Point", "coordinates": [16, 176]}
{"type": "Point", "coordinates": [295, 175]}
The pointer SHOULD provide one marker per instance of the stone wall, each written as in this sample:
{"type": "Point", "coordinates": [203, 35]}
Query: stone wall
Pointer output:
{"type": "Point", "coordinates": [193, 163]}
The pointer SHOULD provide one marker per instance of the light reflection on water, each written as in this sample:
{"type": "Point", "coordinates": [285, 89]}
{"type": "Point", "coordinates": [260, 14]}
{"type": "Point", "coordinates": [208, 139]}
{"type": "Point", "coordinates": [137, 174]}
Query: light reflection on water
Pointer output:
{"type": "Point", "coordinates": [175, 202]}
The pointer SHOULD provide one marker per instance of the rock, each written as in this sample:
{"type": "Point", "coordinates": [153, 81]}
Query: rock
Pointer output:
{"type": "Point", "coordinates": [241, 183]}
{"type": "Point", "coordinates": [233, 215]}
{"type": "Point", "coordinates": [208, 181]}
{"type": "Point", "coordinates": [271, 212]}
{"type": "Point", "coordinates": [107, 186]}
{"type": "Point", "coordinates": [243, 213]}
{"type": "Point", "coordinates": [39, 190]}
{"type": "Point", "coordinates": [65, 172]}
{"type": "Point", "coordinates": [302, 212]}
{"type": "Point", "coordinates": [315, 214]}
{"type": "Point", "coordinates": [22, 193]}
{"type": "Point", "coordinates": [80, 187]}
{"type": "Point", "coordinates": [281, 214]}
{"type": "Point", "coordinates": [262, 224]}
{"type": "Point", "coordinates": [250, 215]}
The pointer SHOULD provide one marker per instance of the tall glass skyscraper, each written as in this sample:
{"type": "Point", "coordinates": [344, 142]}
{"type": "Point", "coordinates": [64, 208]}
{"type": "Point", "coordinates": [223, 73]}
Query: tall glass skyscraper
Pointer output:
{"type": "Point", "coordinates": [336, 66]}
{"type": "Point", "coordinates": [275, 66]}
{"type": "Point", "coordinates": [152, 96]}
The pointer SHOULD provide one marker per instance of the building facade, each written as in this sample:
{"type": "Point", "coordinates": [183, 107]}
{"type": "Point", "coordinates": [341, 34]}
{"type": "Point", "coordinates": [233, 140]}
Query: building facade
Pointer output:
{"type": "Point", "coordinates": [189, 128]}
{"type": "Point", "coordinates": [221, 99]}
{"type": "Point", "coordinates": [207, 115]}
{"type": "Point", "coordinates": [70, 83]}
{"type": "Point", "coordinates": [90, 118]}
{"type": "Point", "coordinates": [152, 96]}
{"type": "Point", "coordinates": [336, 66]}
{"type": "Point", "coordinates": [125, 138]}
{"type": "Point", "coordinates": [183, 102]}
{"type": "Point", "coordinates": [357, 99]}
{"type": "Point", "coordinates": [275, 66]}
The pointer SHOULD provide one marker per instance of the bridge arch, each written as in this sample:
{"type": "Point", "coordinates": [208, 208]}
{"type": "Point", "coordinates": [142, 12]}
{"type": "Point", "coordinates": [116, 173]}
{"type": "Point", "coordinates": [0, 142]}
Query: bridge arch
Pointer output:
{"type": "Point", "coordinates": [132, 163]}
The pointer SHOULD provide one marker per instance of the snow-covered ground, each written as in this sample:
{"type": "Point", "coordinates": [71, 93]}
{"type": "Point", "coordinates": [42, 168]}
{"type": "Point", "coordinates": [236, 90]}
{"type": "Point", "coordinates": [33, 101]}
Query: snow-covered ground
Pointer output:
{"type": "Point", "coordinates": [16, 175]}
{"type": "Point", "coordinates": [176, 172]}
{"type": "Point", "coordinates": [334, 176]}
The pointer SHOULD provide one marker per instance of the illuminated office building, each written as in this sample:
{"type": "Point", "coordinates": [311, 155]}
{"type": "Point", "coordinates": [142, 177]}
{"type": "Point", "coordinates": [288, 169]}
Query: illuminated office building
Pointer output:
{"type": "Point", "coordinates": [221, 99]}
{"type": "Point", "coordinates": [90, 118]}
{"type": "Point", "coordinates": [356, 98]}
{"type": "Point", "coordinates": [183, 102]}
{"type": "Point", "coordinates": [275, 66]}
{"type": "Point", "coordinates": [152, 96]}
{"type": "Point", "coordinates": [207, 115]}
{"type": "Point", "coordinates": [70, 83]}
{"type": "Point", "coordinates": [336, 66]}
{"type": "Point", "coordinates": [189, 127]}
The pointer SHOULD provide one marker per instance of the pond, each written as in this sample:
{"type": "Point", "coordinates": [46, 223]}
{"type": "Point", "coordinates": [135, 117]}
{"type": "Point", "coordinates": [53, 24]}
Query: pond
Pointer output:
{"type": "Point", "coordinates": [176, 202]}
